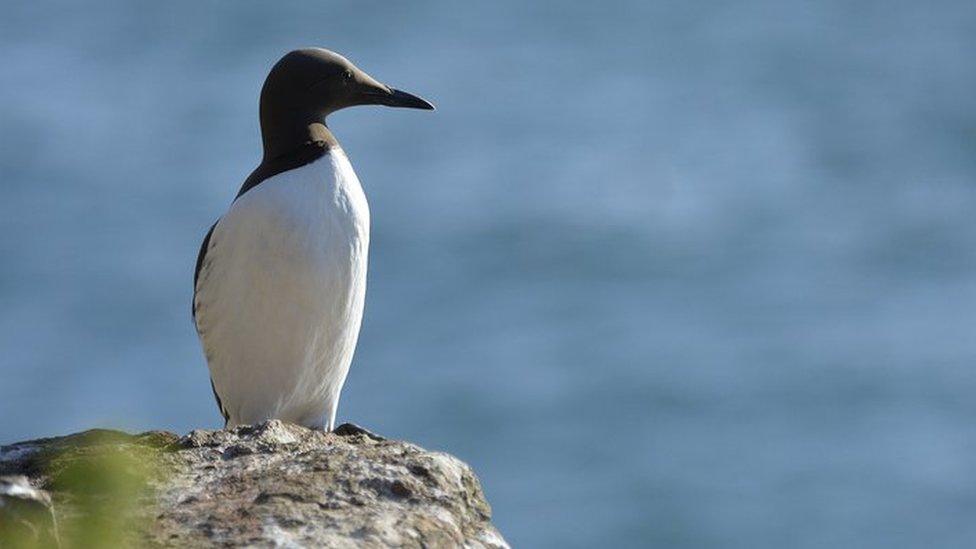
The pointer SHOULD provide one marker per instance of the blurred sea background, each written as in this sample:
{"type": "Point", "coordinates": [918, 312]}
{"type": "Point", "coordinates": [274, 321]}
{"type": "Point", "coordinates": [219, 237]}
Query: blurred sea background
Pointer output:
{"type": "Point", "coordinates": [664, 273]}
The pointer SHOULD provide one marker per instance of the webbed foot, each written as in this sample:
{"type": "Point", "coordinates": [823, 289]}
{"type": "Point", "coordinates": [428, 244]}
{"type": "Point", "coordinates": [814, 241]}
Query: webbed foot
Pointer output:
{"type": "Point", "coordinates": [351, 429]}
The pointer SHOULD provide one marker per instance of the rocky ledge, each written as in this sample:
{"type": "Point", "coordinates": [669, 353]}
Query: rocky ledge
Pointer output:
{"type": "Point", "coordinates": [270, 485]}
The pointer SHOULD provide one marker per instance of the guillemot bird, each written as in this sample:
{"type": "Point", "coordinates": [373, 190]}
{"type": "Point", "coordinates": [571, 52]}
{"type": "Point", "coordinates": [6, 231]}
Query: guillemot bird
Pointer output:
{"type": "Point", "coordinates": [280, 280]}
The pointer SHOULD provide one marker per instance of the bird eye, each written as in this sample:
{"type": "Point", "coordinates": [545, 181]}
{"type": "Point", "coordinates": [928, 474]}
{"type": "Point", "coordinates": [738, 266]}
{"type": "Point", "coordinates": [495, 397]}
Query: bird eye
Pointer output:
{"type": "Point", "coordinates": [347, 76]}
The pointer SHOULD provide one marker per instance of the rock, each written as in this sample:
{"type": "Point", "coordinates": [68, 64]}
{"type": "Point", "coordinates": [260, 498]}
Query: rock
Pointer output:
{"type": "Point", "coordinates": [268, 485]}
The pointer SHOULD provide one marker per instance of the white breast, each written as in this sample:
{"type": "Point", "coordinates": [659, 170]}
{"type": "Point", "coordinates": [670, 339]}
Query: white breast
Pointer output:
{"type": "Point", "coordinates": [279, 300]}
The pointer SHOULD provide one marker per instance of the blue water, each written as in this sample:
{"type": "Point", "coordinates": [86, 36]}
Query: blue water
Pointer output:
{"type": "Point", "coordinates": [676, 274]}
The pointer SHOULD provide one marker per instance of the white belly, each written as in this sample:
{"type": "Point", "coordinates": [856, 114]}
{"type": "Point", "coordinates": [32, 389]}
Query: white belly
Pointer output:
{"type": "Point", "coordinates": [279, 300]}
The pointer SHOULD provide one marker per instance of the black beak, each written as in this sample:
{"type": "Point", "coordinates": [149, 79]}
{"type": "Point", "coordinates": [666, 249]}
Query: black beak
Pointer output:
{"type": "Point", "coordinates": [400, 98]}
{"type": "Point", "coordinates": [392, 97]}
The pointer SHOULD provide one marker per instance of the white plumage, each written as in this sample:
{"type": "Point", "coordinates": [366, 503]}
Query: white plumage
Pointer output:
{"type": "Point", "coordinates": [279, 299]}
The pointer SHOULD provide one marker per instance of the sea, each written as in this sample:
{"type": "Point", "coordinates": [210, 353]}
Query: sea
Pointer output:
{"type": "Point", "coordinates": [665, 274]}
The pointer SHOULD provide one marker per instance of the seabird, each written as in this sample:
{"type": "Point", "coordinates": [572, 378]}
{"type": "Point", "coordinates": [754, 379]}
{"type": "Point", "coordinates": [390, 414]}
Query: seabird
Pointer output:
{"type": "Point", "coordinates": [281, 277]}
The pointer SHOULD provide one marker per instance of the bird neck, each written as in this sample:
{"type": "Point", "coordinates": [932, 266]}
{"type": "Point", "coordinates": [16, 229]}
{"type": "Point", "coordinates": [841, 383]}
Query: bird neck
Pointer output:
{"type": "Point", "coordinates": [286, 133]}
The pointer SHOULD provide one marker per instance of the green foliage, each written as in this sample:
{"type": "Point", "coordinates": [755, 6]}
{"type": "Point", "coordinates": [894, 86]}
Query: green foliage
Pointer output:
{"type": "Point", "coordinates": [101, 489]}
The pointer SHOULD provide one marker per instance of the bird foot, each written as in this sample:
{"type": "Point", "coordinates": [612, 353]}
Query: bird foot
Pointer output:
{"type": "Point", "coordinates": [351, 429]}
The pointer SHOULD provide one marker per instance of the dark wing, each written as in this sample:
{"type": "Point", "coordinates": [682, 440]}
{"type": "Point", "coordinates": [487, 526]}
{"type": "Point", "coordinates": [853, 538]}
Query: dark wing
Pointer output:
{"type": "Point", "coordinates": [220, 405]}
{"type": "Point", "coordinates": [196, 274]}
{"type": "Point", "coordinates": [196, 278]}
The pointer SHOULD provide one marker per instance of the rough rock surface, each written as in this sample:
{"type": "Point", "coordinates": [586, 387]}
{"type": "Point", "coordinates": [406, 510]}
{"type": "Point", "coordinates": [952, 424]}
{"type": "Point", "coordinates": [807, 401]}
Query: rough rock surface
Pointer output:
{"type": "Point", "coordinates": [280, 485]}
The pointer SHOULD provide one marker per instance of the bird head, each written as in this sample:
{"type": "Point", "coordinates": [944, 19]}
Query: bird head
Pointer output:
{"type": "Point", "coordinates": [320, 82]}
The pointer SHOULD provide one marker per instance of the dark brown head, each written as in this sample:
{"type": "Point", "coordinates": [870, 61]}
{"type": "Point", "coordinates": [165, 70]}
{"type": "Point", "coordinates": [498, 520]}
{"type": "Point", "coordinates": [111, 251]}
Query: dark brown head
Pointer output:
{"type": "Point", "coordinates": [307, 85]}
